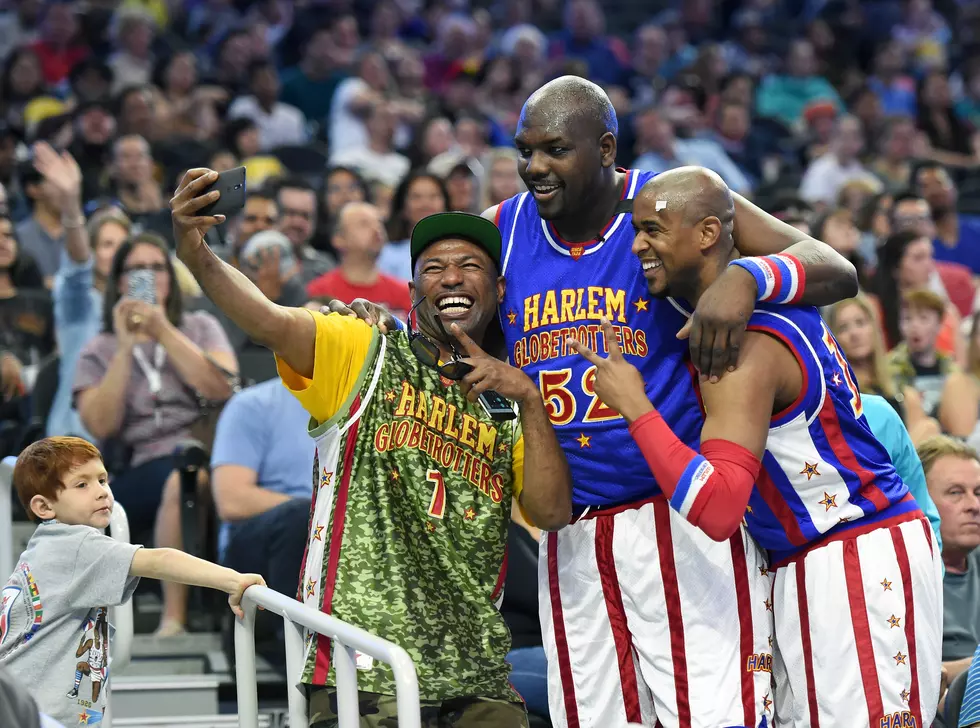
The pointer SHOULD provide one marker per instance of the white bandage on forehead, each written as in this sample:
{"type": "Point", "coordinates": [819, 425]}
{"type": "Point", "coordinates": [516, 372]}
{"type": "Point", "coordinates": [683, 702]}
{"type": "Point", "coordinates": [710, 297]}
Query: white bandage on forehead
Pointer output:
{"type": "Point", "coordinates": [661, 205]}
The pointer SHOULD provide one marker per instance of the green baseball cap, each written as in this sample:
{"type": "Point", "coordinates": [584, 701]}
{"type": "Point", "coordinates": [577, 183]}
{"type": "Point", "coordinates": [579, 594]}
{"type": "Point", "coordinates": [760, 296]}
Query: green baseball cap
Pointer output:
{"type": "Point", "coordinates": [464, 225]}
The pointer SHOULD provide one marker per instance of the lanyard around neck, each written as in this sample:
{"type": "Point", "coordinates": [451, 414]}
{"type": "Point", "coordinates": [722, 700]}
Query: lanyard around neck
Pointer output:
{"type": "Point", "coordinates": [152, 372]}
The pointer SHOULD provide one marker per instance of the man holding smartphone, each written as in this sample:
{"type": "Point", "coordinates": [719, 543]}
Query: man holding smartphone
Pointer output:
{"type": "Point", "coordinates": [412, 479]}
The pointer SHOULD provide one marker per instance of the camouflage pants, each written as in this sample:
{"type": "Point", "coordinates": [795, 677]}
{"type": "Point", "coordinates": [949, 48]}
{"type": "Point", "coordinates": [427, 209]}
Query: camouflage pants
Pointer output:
{"type": "Point", "coordinates": [379, 711]}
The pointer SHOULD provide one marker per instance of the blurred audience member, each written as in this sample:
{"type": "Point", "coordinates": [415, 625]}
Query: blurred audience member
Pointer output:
{"type": "Point", "coordinates": [784, 96]}
{"type": "Point", "coordinates": [261, 212]}
{"type": "Point", "coordinates": [359, 237]}
{"type": "Point", "coordinates": [26, 317]}
{"type": "Point", "coordinates": [58, 47]}
{"type": "Point", "coordinates": [81, 278]}
{"type": "Point", "coordinates": [947, 393]}
{"type": "Point", "coordinates": [298, 221]}
{"type": "Point", "coordinates": [957, 236]}
{"type": "Point", "coordinates": [420, 194]}
{"type": "Point", "coordinates": [279, 124]}
{"type": "Point", "coordinates": [186, 108]}
{"type": "Point", "coordinates": [905, 263]}
{"type": "Point", "coordinates": [854, 324]}
{"type": "Point", "coordinates": [377, 160]}
{"type": "Point", "coordinates": [659, 150]}
{"type": "Point", "coordinates": [895, 145]}
{"type": "Point", "coordinates": [137, 190]}
{"type": "Point", "coordinates": [829, 172]}
{"type": "Point", "coordinates": [132, 32]}
{"type": "Point", "coordinates": [501, 180]}
{"type": "Point", "coordinates": [140, 384]}
{"type": "Point", "coordinates": [953, 475]}
{"type": "Point", "coordinates": [42, 235]}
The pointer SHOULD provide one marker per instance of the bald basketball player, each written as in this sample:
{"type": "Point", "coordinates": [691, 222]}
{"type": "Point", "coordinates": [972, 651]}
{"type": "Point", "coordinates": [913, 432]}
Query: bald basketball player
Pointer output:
{"type": "Point", "coordinates": [645, 618]}
{"type": "Point", "coordinates": [786, 447]}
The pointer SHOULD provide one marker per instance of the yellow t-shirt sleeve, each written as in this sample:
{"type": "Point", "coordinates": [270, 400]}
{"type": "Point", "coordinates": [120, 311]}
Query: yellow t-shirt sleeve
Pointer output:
{"type": "Point", "coordinates": [341, 349]}
{"type": "Point", "coordinates": [517, 470]}
{"type": "Point", "coordinates": [517, 467]}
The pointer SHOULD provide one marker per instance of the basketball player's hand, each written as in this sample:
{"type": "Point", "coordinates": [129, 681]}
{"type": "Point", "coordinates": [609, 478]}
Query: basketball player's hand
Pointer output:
{"type": "Point", "coordinates": [243, 582]}
{"type": "Point", "coordinates": [491, 373]}
{"type": "Point", "coordinates": [190, 197]}
{"type": "Point", "coordinates": [617, 382]}
{"type": "Point", "coordinates": [718, 325]}
{"type": "Point", "coordinates": [369, 313]}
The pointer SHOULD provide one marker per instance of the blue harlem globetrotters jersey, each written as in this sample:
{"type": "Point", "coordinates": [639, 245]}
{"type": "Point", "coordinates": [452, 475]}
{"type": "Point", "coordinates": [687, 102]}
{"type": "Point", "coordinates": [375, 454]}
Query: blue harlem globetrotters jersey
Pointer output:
{"type": "Point", "coordinates": [823, 470]}
{"type": "Point", "coordinates": [557, 289]}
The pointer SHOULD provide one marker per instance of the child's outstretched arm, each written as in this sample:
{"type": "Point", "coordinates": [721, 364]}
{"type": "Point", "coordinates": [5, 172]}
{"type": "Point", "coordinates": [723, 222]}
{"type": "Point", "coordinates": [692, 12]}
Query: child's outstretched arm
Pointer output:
{"type": "Point", "coordinates": [174, 565]}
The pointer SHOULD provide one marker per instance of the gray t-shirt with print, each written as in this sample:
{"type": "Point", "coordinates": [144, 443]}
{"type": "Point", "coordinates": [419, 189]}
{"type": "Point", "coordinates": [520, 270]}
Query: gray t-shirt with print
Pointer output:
{"type": "Point", "coordinates": [54, 627]}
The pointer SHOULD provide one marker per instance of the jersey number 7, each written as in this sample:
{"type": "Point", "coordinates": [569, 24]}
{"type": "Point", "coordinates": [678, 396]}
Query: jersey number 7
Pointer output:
{"type": "Point", "coordinates": [561, 403]}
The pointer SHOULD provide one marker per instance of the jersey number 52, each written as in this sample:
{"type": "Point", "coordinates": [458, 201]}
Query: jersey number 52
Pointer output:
{"type": "Point", "coordinates": [561, 403]}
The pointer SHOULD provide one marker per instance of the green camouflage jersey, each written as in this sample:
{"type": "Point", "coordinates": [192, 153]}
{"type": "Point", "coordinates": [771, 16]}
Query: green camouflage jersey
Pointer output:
{"type": "Point", "coordinates": [412, 499]}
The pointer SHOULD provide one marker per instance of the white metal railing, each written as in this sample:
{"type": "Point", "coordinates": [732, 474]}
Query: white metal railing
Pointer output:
{"type": "Point", "coordinates": [345, 639]}
{"type": "Point", "coordinates": [122, 616]}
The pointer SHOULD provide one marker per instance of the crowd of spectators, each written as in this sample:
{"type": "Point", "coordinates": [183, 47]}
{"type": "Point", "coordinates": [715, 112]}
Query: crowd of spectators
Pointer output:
{"type": "Point", "coordinates": [855, 120]}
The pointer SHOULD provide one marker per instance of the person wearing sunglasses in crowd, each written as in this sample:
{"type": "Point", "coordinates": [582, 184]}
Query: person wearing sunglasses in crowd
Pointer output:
{"type": "Point", "coordinates": [418, 457]}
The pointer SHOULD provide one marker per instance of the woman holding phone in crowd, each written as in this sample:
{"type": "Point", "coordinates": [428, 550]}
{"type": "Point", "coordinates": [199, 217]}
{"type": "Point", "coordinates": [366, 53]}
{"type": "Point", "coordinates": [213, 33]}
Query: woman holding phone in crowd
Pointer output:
{"type": "Point", "coordinates": [139, 385]}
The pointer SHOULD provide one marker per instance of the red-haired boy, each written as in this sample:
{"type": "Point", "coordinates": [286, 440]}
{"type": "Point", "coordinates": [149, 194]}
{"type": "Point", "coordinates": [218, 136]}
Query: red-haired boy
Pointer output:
{"type": "Point", "coordinates": [54, 630]}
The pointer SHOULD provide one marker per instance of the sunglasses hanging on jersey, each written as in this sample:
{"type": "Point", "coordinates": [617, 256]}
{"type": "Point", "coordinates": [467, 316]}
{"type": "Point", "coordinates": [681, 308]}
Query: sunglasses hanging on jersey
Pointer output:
{"type": "Point", "coordinates": [427, 352]}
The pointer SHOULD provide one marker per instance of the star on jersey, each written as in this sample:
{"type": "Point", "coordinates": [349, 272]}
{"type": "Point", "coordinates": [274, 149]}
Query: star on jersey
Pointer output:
{"type": "Point", "coordinates": [766, 703]}
{"type": "Point", "coordinates": [83, 718]}
{"type": "Point", "coordinates": [502, 448]}
{"type": "Point", "coordinates": [886, 585]}
{"type": "Point", "coordinates": [895, 621]}
{"type": "Point", "coordinates": [829, 501]}
{"type": "Point", "coordinates": [311, 587]}
{"type": "Point", "coordinates": [906, 695]}
{"type": "Point", "coordinates": [809, 470]}
{"type": "Point", "coordinates": [763, 571]}
{"type": "Point", "coordinates": [430, 527]}
{"type": "Point", "coordinates": [394, 475]}
{"type": "Point", "coordinates": [641, 304]}
{"type": "Point", "coordinates": [469, 514]}
{"type": "Point", "coordinates": [318, 533]}
{"type": "Point", "coordinates": [770, 641]}
{"type": "Point", "coordinates": [325, 478]}
{"type": "Point", "coordinates": [511, 318]}
{"type": "Point", "coordinates": [900, 658]}
{"type": "Point", "coordinates": [768, 605]}
{"type": "Point", "coordinates": [748, 509]}
{"type": "Point", "coordinates": [583, 441]}
{"type": "Point", "coordinates": [390, 395]}
{"type": "Point", "coordinates": [836, 379]}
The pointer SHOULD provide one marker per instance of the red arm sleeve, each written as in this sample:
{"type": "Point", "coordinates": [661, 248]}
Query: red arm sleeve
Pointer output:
{"type": "Point", "coordinates": [710, 489]}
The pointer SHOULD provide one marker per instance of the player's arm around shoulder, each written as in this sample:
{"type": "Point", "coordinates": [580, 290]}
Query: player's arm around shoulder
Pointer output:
{"type": "Point", "coordinates": [829, 276]}
{"type": "Point", "coordinates": [176, 566]}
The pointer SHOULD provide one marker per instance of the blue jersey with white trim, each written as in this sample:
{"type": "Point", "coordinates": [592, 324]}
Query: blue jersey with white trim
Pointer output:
{"type": "Point", "coordinates": [823, 469]}
{"type": "Point", "coordinates": [557, 290]}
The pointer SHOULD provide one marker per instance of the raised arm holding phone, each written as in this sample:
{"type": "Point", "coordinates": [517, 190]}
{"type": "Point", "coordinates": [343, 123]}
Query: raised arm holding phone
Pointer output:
{"type": "Point", "coordinates": [415, 460]}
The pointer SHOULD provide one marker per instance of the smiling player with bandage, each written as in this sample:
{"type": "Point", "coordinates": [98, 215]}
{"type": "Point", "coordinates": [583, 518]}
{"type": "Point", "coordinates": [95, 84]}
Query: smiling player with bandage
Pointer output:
{"type": "Point", "coordinates": [857, 593]}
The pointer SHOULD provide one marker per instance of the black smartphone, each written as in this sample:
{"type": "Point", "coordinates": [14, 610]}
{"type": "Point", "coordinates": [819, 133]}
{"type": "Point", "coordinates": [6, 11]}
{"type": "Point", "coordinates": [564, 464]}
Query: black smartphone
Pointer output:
{"type": "Point", "coordinates": [231, 185]}
{"type": "Point", "coordinates": [498, 407]}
